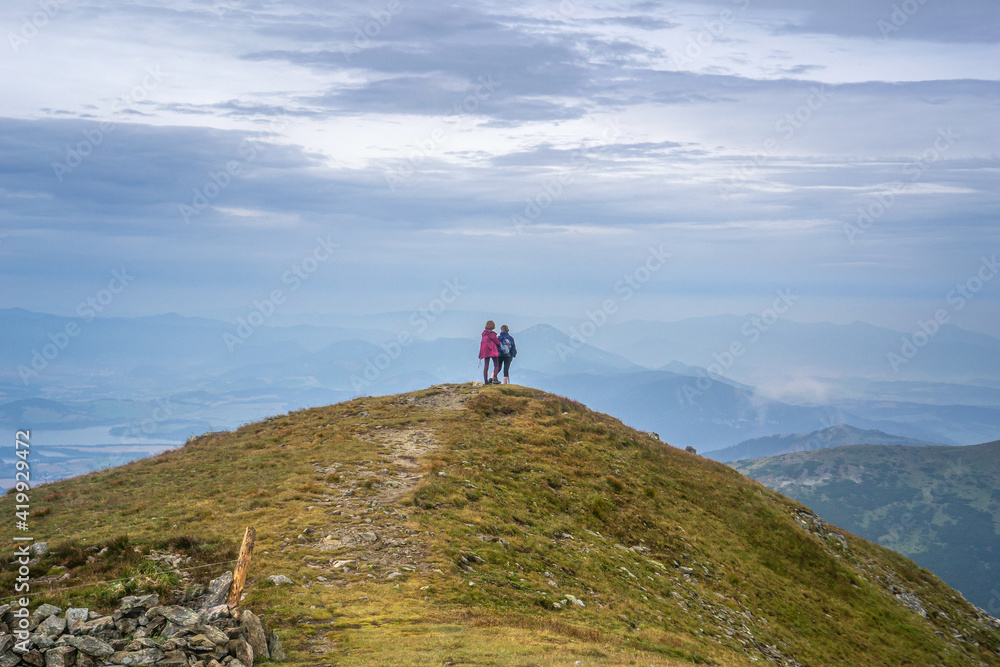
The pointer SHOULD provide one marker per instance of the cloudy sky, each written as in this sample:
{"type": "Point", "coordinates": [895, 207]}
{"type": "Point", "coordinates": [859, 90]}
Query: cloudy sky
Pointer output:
{"type": "Point", "coordinates": [534, 151]}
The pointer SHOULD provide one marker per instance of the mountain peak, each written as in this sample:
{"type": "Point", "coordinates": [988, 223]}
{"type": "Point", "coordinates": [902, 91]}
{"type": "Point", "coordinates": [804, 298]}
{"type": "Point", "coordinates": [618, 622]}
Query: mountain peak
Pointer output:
{"type": "Point", "coordinates": [488, 524]}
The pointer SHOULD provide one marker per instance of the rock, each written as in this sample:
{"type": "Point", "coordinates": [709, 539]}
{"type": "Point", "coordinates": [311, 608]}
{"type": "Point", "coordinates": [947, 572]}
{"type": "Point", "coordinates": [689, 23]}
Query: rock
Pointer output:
{"type": "Point", "coordinates": [140, 644]}
{"type": "Point", "coordinates": [119, 644]}
{"type": "Point", "coordinates": [6, 643]}
{"type": "Point", "coordinates": [691, 449]}
{"type": "Point", "coordinates": [44, 611]}
{"type": "Point", "coordinates": [126, 625]}
{"type": "Point", "coordinates": [274, 647]}
{"type": "Point", "coordinates": [40, 548]}
{"type": "Point", "coordinates": [147, 656]}
{"type": "Point", "coordinates": [176, 614]}
{"type": "Point", "coordinates": [34, 657]}
{"type": "Point", "coordinates": [912, 602]}
{"type": "Point", "coordinates": [134, 605]}
{"type": "Point", "coordinates": [215, 635]}
{"type": "Point", "coordinates": [75, 618]}
{"type": "Point", "coordinates": [279, 579]}
{"type": "Point", "coordinates": [577, 601]}
{"type": "Point", "coordinates": [201, 644]}
{"type": "Point", "coordinates": [83, 660]}
{"type": "Point", "coordinates": [104, 626]}
{"type": "Point", "coordinates": [255, 634]}
{"type": "Point", "coordinates": [173, 659]}
{"type": "Point", "coordinates": [10, 660]}
{"type": "Point", "coordinates": [215, 613]}
{"type": "Point", "coordinates": [91, 646]}
{"type": "Point", "coordinates": [368, 536]}
{"type": "Point", "coordinates": [218, 591]}
{"type": "Point", "coordinates": [242, 651]}
{"type": "Point", "coordinates": [60, 656]}
{"type": "Point", "coordinates": [53, 626]}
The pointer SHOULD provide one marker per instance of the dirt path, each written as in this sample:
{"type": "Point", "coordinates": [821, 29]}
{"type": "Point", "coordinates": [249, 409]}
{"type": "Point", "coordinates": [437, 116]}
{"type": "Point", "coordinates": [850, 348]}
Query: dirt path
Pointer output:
{"type": "Point", "coordinates": [370, 535]}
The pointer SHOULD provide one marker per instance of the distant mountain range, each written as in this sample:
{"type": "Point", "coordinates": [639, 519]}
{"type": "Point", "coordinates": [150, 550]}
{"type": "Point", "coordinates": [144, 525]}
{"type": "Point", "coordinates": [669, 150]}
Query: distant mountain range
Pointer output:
{"type": "Point", "coordinates": [108, 383]}
{"type": "Point", "coordinates": [939, 506]}
{"type": "Point", "coordinates": [841, 435]}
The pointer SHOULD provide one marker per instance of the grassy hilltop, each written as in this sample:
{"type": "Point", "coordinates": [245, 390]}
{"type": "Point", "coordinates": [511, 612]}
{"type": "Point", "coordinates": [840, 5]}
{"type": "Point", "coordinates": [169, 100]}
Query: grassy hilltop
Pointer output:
{"type": "Point", "coordinates": [496, 526]}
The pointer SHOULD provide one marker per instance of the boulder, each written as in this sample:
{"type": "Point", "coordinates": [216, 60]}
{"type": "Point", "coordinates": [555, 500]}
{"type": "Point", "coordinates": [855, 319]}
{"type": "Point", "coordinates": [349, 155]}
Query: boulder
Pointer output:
{"type": "Point", "coordinates": [279, 580]}
{"type": "Point", "coordinates": [200, 644]}
{"type": "Point", "coordinates": [102, 627]}
{"type": "Point", "coordinates": [173, 659]}
{"type": "Point", "coordinates": [53, 626]}
{"type": "Point", "coordinates": [10, 660]}
{"type": "Point", "coordinates": [176, 614]}
{"type": "Point", "coordinates": [216, 612]}
{"type": "Point", "coordinates": [34, 657]}
{"type": "Point", "coordinates": [218, 591]}
{"type": "Point", "coordinates": [92, 646]}
{"type": "Point", "coordinates": [255, 634]}
{"type": "Point", "coordinates": [134, 605]}
{"type": "Point", "coordinates": [215, 635]}
{"type": "Point", "coordinates": [147, 656]}
{"type": "Point", "coordinates": [60, 656]}
{"type": "Point", "coordinates": [242, 651]}
{"type": "Point", "coordinates": [274, 647]}
{"type": "Point", "coordinates": [75, 618]}
{"type": "Point", "coordinates": [40, 548]}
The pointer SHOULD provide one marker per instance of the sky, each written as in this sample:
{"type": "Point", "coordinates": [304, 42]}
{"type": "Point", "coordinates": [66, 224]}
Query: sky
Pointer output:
{"type": "Point", "coordinates": [199, 157]}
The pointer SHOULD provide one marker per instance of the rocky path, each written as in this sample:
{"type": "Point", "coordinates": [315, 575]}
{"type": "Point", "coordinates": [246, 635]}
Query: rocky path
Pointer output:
{"type": "Point", "coordinates": [369, 535]}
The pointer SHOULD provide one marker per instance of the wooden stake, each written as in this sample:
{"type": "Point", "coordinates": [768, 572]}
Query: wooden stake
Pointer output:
{"type": "Point", "coordinates": [242, 566]}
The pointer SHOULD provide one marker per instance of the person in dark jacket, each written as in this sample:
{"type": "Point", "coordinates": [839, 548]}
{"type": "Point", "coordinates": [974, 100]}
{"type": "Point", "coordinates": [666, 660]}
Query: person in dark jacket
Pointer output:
{"type": "Point", "coordinates": [489, 348]}
{"type": "Point", "coordinates": [507, 350]}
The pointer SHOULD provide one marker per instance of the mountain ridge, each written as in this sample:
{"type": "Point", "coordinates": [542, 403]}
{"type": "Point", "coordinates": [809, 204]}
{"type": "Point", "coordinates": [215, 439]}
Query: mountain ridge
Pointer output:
{"type": "Point", "coordinates": [504, 525]}
{"type": "Point", "coordinates": [839, 435]}
{"type": "Point", "coordinates": [938, 505]}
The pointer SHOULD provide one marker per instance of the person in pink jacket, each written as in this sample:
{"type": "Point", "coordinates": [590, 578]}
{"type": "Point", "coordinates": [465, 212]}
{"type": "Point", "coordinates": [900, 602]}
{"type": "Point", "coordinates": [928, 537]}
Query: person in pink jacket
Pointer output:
{"type": "Point", "coordinates": [489, 348]}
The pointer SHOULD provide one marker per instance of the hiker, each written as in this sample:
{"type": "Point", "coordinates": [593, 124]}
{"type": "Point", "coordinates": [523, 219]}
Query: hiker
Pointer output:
{"type": "Point", "coordinates": [507, 351]}
{"type": "Point", "coordinates": [489, 348]}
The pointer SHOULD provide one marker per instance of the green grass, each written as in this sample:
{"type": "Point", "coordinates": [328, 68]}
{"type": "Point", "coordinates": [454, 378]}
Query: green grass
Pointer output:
{"type": "Point", "coordinates": [536, 489]}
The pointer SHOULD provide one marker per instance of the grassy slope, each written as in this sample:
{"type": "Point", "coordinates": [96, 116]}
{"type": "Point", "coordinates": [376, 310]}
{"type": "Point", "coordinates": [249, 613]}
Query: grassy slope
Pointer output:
{"type": "Point", "coordinates": [937, 505]}
{"type": "Point", "coordinates": [537, 492]}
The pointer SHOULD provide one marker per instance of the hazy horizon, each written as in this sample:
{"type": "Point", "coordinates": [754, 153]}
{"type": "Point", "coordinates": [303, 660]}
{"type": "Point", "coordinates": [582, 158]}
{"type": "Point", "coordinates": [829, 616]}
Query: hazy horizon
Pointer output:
{"type": "Point", "coordinates": [356, 157]}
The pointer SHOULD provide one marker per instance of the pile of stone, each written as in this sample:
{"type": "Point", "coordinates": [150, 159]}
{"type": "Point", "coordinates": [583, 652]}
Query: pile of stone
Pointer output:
{"type": "Point", "coordinates": [205, 633]}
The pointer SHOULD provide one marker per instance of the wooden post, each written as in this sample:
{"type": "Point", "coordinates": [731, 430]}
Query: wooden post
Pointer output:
{"type": "Point", "coordinates": [242, 566]}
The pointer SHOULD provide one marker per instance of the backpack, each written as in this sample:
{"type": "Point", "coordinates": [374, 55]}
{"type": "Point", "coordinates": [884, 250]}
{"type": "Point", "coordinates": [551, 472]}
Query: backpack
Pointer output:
{"type": "Point", "coordinates": [504, 346]}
